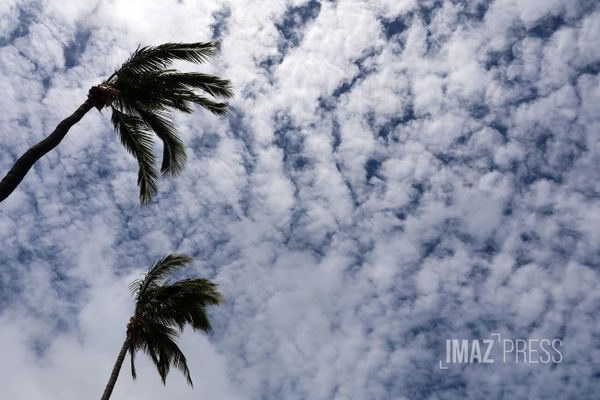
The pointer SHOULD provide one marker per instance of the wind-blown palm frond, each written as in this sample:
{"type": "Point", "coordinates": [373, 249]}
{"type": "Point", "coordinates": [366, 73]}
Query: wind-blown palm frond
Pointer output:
{"type": "Point", "coordinates": [216, 108]}
{"type": "Point", "coordinates": [211, 84]}
{"type": "Point", "coordinates": [160, 345]}
{"type": "Point", "coordinates": [151, 58]}
{"type": "Point", "coordinates": [174, 155]}
{"type": "Point", "coordinates": [158, 272]}
{"type": "Point", "coordinates": [146, 93]}
{"type": "Point", "coordinates": [163, 90]}
{"type": "Point", "coordinates": [139, 143]}
{"type": "Point", "coordinates": [182, 302]}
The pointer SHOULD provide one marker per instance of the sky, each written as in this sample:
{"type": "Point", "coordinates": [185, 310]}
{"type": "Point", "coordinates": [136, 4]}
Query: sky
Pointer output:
{"type": "Point", "coordinates": [391, 174]}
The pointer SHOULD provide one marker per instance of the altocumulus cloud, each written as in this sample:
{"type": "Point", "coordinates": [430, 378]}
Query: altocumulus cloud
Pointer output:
{"type": "Point", "coordinates": [391, 174]}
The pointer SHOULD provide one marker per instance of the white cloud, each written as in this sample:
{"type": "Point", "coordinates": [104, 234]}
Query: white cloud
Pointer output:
{"type": "Point", "coordinates": [367, 198]}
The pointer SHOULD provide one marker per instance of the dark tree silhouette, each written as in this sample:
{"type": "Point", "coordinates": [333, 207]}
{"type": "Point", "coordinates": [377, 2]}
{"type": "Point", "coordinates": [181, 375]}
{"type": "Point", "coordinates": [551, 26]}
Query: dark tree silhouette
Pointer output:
{"type": "Point", "coordinates": [141, 95]}
{"type": "Point", "coordinates": [162, 309]}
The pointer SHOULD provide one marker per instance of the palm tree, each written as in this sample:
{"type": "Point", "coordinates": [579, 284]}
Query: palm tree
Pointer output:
{"type": "Point", "coordinates": [162, 309]}
{"type": "Point", "coordinates": [141, 95]}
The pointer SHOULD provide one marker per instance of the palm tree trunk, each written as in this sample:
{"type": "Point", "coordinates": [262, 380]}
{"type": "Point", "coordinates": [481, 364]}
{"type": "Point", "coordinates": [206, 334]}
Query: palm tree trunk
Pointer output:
{"type": "Point", "coordinates": [115, 372]}
{"type": "Point", "coordinates": [20, 168]}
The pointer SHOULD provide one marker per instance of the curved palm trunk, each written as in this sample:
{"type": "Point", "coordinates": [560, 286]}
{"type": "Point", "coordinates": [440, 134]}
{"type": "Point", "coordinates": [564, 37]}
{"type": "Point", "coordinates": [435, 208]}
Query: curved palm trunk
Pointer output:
{"type": "Point", "coordinates": [20, 168]}
{"type": "Point", "coordinates": [115, 372]}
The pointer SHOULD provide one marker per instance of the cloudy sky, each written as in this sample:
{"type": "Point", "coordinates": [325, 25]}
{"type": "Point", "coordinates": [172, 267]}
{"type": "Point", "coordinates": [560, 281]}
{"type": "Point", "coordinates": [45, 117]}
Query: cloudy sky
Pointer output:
{"type": "Point", "coordinates": [392, 174]}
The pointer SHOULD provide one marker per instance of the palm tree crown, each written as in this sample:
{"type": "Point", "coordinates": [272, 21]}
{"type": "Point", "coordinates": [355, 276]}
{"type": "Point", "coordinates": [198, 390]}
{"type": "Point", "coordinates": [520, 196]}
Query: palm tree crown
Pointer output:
{"type": "Point", "coordinates": [143, 93]}
{"type": "Point", "coordinates": [162, 309]}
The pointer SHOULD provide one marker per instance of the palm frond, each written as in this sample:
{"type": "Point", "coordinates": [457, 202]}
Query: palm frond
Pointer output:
{"type": "Point", "coordinates": [172, 355]}
{"type": "Point", "coordinates": [163, 90]}
{"type": "Point", "coordinates": [160, 270]}
{"type": "Point", "coordinates": [151, 344]}
{"type": "Point", "coordinates": [159, 343]}
{"type": "Point", "coordinates": [183, 302]}
{"type": "Point", "coordinates": [139, 143]}
{"type": "Point", "coordinates": [151, 58]}
{"type": "Point", "coordinates": [174, 155]}
{"type": "Point", "coordinates": [132, 350]}
{"type": "Point", "coordinates": [145, 90]}
{"type": "Point", "coordinates": [217, 108]}
{"type": "Point", "coordinates": [216, 87]}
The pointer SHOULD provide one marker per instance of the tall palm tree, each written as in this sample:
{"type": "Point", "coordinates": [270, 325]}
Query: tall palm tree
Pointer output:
{"type": "Point", "coordinates": [141, 95]}
{"type": "Point", "coordinates": [162, 309]}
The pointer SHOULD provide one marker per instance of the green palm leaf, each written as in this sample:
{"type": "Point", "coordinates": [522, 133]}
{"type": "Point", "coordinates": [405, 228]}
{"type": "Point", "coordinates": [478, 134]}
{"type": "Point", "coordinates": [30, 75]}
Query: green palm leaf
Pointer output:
{"type": "Point", "coordinates": [151, 58]}
{"type": "Point", "coordinates": [160, 344]}
{"type": "Point", "coordinates": [216, 87]}
{"type": "Point", "coordinates": [174, 155]}
{"type": "Point", "coordinates": [179, 303]}
{"type": "Point", "coordinates": [157, 273]}
{"type": "Point", "coordinates": [139, 143]}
